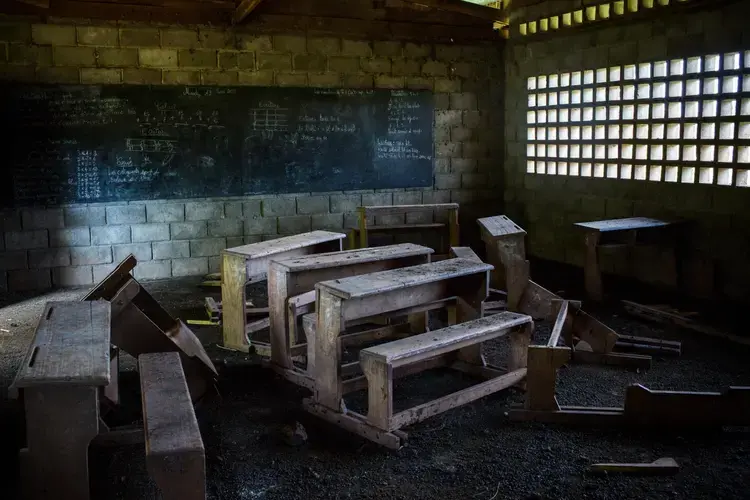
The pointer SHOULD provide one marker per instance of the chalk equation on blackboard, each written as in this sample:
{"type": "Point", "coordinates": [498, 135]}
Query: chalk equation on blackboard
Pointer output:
{"type": "Point", "coordinates": [269, 119]}
{"type": "Point", "coordinates": [151, 145]}
{"type": "Point", "coordinates": [88, 186]}
{"type": "Point", "coordinates": [386, 149]}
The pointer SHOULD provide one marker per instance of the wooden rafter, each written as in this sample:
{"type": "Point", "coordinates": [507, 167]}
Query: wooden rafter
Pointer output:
{"type": "Point", "coordinates": [44, 4]}
{"type": "Point", "coordinates": [244, 9]}
{"type": "Point", "coordinates": [488, 13]}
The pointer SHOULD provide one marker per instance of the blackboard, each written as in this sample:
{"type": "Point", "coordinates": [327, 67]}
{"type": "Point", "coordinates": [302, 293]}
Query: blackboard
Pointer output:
{"type": "Point", "coordinates": [96, 143]}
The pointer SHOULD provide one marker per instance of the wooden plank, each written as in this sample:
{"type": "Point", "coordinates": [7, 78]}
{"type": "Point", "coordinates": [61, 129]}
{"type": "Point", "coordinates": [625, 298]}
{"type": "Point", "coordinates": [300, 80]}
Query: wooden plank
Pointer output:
{"type": "Point", "coordinates": [562, 317]}
{"type": "Point", "coordinates": [660, 467]}
{"type": "Point", "coordinates": [424, 411]}
{"type": "Point", "coordinates": [353, 257]}
{"type": "Point", "coordinates": [592, 274]}
{"type": "Point", "coordinates": [625, 224]}
{"type": "Point", "coordinates": [543, 363]}
{"type": "Point", "coordinates": [377, 283]}
{"type": "Point", "coordinates": [403, 209]}
{"type": "Point", "coordinates": [382, 228]}
{"type": "Point", "coordinates": [285, 244]}
{"type": "Point", "coordinates": [354, 422]}
{"type": "Point", "coordinates": [498, 226]}
{"type": "Point", "coordinates": [635, 361]}
{"type": "Point", "coordinates": [233, 299]}
{"type": "Point", "coordinates": [464, 253]}
{"type": "Point", "coordinates": [488, 14]}
{"type": "Point", "coordinates": [584, 416]}
{"type": "Point", "coordinates": [71, 346]}
{"type": "Point", "coordinates": [109, 285]}
{"type": "Point", "coordinates": [244, 9]}
{"type": "Point", "coordinates": [447, 339]}
{"type": "Point", "coordinates": [665, 317]}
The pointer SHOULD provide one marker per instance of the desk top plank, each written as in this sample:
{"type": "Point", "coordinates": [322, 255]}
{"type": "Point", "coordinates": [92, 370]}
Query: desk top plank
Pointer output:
{"type": "Point", "coordinates": [284, 244]}
{"type": "Point", "coordinates": [353, 257]}
{"type": "Point", "coordinates": [406, 277]}
{"type": "Point", "coordinates": [70, 346]}
{"type": "Point", "coordinates": [402, 209]}
{"type": "Point", "coordinates": [499, 225]}
{"type": "Point", "coordinates": [626, 224]}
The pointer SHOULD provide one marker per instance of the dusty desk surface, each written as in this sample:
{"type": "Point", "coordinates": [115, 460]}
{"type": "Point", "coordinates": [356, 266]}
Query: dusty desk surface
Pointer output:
{"type": "Point", "coordinates": [70, 346]}
{"type": "Point", "coordinates": [386, 281]}
{"type": "Point", "coordinates": [352, 257]}
{"type": "Point", "coordinates": [628, 224]}
{"type": "Point", "coordinates": [284, 244]}
{"type": "Point", "coordinates": [500, 225]}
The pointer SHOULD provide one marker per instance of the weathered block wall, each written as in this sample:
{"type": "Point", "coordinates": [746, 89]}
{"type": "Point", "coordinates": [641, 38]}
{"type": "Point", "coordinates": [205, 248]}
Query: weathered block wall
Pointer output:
{"type": "Point", "coordinates": [548, 205]}
{"type": "Point", "coordinates": [80, 244]}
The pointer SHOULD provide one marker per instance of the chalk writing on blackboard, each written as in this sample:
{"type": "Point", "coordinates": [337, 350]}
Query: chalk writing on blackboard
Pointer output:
{"type": "Point", "coordinates": [87, 172]}
{"type": "Point", "coordinates": [269, 119]}
{"type": "Point", "coordinates": [150, 145]}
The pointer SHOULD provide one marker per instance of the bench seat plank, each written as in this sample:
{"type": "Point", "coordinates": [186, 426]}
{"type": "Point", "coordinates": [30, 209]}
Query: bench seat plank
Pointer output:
{"type": "Point", "coordinates": [356, 287]}
{"type": "Point", "coordinates": [353, 257]}
{"type": "Point", "coordinates": [284, 244]}
{"type": "Point", "coordinates": [403, 227]}
{"type": "Point", "coordinates": [401, 209]}
{"type": "Point", "coordinates": [71, 346]}
{"type": "Point", "coordinates": [440, 341]}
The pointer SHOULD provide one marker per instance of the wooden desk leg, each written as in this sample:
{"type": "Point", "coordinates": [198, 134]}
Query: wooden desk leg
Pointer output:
{"type": "Point", "coordinates": [470, 292]}
{"type": "Point", "coordinates": [591, 272]}
{"type": "Point", "coordinates": [281, 354]}
{"type": "Point", "coordinates": [61, 421]}
{"type": "Point", "coordinates": [233, 317]}
{"type": "Point", "coordinates": [327, 359]}
{"type": "Point", "coordinates": [513, 259]}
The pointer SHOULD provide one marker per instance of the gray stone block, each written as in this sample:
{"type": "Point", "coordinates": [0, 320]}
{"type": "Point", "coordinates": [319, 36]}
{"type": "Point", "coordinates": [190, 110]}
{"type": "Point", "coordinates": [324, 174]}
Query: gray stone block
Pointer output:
{"type": "Point", "coordinates": [233, 210]}
{"type": "Point", "coordinates": [235, 241]}
{"type": "Point", "coordinates": [82, 256]}
{"type": "Point", "coordinates": [165, 212]}
{"type": "Point", "coordinates": [436, 197]}
{"type": "Point", "coordinates": [204, 211]}
{"type": "Point", "coordinates": [42, 219]}
{"type": "Point", "coordinates": [14, 261]}
{"type": "Point", "coordinates": [196, 266]}
{"type": "Point", "coordinates": [261, 225]}
{"type": "Point", "coordinates": [251, 208]}
{"type": "Point", "coordinates": [102, 270]}
{"type": "Point", "coordinates": [164, 250]}
{"type": "Point", "coordinates": [407, 198]}
{"type": "Point", "coordinates": [214, 264]}
{"type": "Point", "coordinates": [279, 206]}
{"type": "Point", "coordinates": [308, 205]}
{"type": "Point", "coordinates": [126, 214]}
{"type": "Point", "coordinates": [26, 240]}
{"type": "Point", "coordinates": [10, 220]}
{"type": "Point", "coordinates": [207, 247]}
{"type": "Point", "coordinates": [328, 222]}
{"type": "Point", "coordinates": [295, 224]}
{"type": "Point", "coordinates": [141, 251]}
{"type": "Point", "coordinates": [84, 216]}
{"type": "Point", "coordinates": [74, 237]}
{"type": "Point", "coordinates": [150, 232]}
{"type": "Point", "coordinates": [377, 199]}
{"type": "Point", "coordinates": [153, 270]}
{"type": "Point", "coordinates": [188, 230]}
{"type": "Point", "coordinates": [342, 203]}
{"type": "Point", "coordinates": [31, 279]}
{"type": "Point", "coordinates": [72, 276]}
{"type": "Point", "coordinates": [225, 227]}
{"type": "Point", "coordinates": [110, 235]}
{"type": "Point", "coordinates": [249, 239]}
{"type": "Point", "coordinates": [49, 257]}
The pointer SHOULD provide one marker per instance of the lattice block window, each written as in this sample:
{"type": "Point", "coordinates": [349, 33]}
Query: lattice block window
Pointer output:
{"type": "Point", "coordinates": [684, 120]}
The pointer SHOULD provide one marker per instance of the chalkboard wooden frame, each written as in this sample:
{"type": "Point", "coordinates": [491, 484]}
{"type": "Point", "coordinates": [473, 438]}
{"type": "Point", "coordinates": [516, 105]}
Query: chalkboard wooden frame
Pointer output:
{"type": "Point", "coordinates": [104, 143]}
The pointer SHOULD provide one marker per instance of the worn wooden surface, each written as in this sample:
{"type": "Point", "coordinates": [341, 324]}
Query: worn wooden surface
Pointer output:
{"type": "Point", "coordinates": [402, 209]}
{"type": "Point", "coordinates": [106, 288]}
{"type": "Point", "coordinates": [497, 226]}
{"type": "Point", "coordinates": [358, 287]}
{"type": "Point", "coordinates": [352, 257]}
{"type": "Point", "coordinates": [464, 253]}
{"type": "Point", "coordinates": [285, 244]}
{"type": "Point", "coordinates": [660, 467]}
{"type": "Point", "coordinates": [174, 448]}
{"type": "Point", "coordinates": [71, 346]}
{"type": "Point", "coordinates": [543, 363]}
{"type": "Point", "coordinates": [359, 236]}
{"type": "Point", "coordinates": [557, 329]}
{"type": "Point", "coordinates": [626, 224]}
{"type": "Point", "coordinates": [451, 338]}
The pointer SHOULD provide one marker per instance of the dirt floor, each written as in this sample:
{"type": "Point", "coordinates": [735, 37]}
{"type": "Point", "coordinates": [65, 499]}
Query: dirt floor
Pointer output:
{"type": "Point", "coordinates": [472, 452]}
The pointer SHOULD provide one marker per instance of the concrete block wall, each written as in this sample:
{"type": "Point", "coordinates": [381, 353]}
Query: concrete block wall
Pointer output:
{"type": "Point", "coordinates": [42, 247]}
{"type": "Point", "coordinates": [716, 263]}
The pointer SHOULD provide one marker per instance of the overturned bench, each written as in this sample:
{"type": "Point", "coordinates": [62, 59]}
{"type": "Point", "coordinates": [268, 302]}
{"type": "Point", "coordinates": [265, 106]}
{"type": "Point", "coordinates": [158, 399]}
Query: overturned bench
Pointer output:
{"type": "Point", "coordinates": [379, 364]}
{"type": "Point", "coordinates": [240, 264]}
{"type": "Point", "coordinates": [175, 457]}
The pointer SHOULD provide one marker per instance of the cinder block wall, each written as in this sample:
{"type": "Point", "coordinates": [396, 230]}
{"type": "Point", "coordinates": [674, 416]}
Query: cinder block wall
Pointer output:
{"type": "Point", "coordinates": [547, 205]}
{"type": "Point", "coordinates": [44, 247]}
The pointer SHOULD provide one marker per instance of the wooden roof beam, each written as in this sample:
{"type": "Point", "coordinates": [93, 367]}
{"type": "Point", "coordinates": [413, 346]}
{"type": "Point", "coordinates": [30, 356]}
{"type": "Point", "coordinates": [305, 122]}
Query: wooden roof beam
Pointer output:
{"type": "Point", "coordinates": [469, 9]}
{"type": "Point", "coordinates": [244, 9]}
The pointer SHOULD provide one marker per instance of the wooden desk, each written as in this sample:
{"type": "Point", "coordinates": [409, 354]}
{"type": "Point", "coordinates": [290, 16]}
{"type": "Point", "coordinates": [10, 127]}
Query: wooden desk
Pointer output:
{"type": "Point", "coordinates": [367, 295]}
{"type": "Point", "coordinates": [293, 277]}
{"type": "Point", "coordinates": [239, 264]}
{"type": "Point", "coordinates": [506, 250]}
{"type": "Point", "coordinates": [60, 379]}
{"type": "Point", "coordinates": [617, 233]}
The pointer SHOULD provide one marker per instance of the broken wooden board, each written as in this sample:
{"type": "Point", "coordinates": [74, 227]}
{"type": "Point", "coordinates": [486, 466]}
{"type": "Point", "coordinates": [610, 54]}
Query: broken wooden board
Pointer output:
{"type": "Point", "coordinates": [661, 467]}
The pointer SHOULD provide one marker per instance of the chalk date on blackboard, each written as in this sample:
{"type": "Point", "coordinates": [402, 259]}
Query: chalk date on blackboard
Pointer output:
{"type": "Point", "coordinates": [91, 143]}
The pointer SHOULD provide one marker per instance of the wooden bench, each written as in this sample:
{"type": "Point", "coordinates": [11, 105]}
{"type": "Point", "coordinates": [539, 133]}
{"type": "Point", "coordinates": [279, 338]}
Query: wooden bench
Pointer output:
{"type": "Point", "coordinates": [291, 285]}
{"type": "Point", "coordinates": [60, 380]}
{"type": "Point", "coordinates": [380, 362]}
{"type": "Point", "coordinates": [395, 218]}
{"type": "Point", "coordinates": [239, 264]}
{"type": "Point", "coordinates": [175, 457]}
{"type": "Point", "coordinates": [622, 234]}
{"type": "Point", "coordinates": [348, 299]}
{"type": "Point", "coordinates": [141, 325]}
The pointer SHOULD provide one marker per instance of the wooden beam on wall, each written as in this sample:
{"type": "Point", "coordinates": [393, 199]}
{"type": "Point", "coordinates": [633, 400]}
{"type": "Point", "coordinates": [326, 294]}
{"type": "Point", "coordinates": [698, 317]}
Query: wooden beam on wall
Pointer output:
{"type": "Point", "coordinates": [469, 9]}
{"type": "Point", "coordinates": [244, 9]}
{"type": "Point", "coordinates": [44, 4]}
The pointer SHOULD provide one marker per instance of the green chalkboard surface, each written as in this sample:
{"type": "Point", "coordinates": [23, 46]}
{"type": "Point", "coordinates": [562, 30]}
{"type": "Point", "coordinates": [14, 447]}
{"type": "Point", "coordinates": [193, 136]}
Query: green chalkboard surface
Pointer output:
{"type": "Point", "coordinates": [92, 143]}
